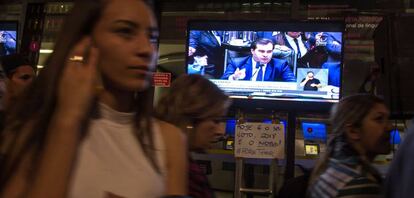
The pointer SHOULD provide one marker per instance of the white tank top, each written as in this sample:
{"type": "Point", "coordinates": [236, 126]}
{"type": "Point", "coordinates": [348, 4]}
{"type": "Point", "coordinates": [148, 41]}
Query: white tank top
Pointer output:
{"type": "Point", "coordinates": [111, 162]}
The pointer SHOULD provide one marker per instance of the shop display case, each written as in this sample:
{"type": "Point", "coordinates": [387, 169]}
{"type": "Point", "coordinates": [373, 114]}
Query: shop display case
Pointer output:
{"type": "Point", "coordinates": [54, 16]}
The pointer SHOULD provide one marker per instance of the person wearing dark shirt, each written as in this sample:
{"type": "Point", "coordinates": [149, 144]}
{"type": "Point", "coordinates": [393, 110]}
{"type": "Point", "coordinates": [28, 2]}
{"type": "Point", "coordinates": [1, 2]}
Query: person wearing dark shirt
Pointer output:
{"type": "Point", "coordinates": [2, 93]}
{"type": "Point", "coordinates": [260, 66]}
{"type": "Point", "coordinates": [400, 177]}
{"type": "Point", "coordinates": [207, 45]}
{"type": "Point", "coordinates": [360, 131]}
{"type": "Point", "coordinates": [19, 74]}
{"type": "Point", "coordinates": [7, 43]}
{"type": "Point", "coordinates": [310, 83]}
{"type": "Point", "coordinates": [15, 75]}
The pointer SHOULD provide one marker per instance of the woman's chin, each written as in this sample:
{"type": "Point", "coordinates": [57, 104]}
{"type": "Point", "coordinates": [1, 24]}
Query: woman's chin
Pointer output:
{"type": "Point", "coordinates": [138, 86]}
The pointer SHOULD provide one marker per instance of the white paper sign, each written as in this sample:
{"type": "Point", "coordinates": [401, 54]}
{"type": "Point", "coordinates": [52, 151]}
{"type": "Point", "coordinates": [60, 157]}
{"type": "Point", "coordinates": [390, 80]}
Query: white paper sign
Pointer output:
{"type": "Point", "coordinates": [260, 140]}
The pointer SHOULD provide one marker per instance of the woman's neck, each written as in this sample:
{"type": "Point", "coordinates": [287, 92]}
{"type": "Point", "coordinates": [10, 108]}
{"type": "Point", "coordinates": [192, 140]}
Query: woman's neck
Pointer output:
{"type": "Point", "coordinates": [363, 153]}
{"type": "Point", "coordinates": [118, 100]}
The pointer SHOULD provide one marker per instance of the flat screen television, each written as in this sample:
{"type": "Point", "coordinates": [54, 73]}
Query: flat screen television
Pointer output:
{"type": "Point", "coordinates": [230, 127]}
{"type": "Point", "coordinates": [276, 60]}
{"type": "Point", "coordinates": [314, 131]}
{"type": "Point", "coordinates": [8, 37]}
{"type": "Point", "coordinates": [312, 149]}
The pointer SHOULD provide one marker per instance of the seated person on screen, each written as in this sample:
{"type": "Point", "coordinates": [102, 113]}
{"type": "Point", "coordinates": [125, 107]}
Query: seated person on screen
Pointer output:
{"type": "Point", "coordinates": [295, 41]}
{"type": "Point", "coordinates": [310, 83]}
{"type": "Point", "coordinates": [7, 43]}
{"type": "Point", "coordinates": [207, 45]}
{"type": "Point", "coordinates": [293, 46]}
{"type": "Point", "coordinates": [332, 46]}
{"type": "Point", "coordinates": [260, 66]}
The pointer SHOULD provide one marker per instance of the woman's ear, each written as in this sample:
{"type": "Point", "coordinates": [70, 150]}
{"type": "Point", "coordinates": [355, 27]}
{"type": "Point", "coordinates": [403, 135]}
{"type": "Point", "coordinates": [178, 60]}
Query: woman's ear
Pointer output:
{"type": "Point", "coordinates": [352, 132]}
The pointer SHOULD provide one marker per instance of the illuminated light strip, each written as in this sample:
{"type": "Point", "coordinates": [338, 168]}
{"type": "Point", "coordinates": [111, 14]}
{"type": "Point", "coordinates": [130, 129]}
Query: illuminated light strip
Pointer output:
{"type": "Point", "coordinates": [45, 51]}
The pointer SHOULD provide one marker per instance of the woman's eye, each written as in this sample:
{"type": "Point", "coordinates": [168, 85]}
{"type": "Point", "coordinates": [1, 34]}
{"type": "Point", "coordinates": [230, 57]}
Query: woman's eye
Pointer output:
{"type": "Point", "coordinates": [380, 119]}
{"type": "Point", "coordinates": [25, 77]}
{"type": "Point", "coordinates": [126, 32]}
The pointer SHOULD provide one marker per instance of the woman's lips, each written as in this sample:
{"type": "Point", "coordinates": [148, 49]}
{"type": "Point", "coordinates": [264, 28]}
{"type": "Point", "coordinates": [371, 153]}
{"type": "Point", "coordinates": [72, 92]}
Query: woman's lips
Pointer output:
{"type": "Point", "coordinates": [142, 70]}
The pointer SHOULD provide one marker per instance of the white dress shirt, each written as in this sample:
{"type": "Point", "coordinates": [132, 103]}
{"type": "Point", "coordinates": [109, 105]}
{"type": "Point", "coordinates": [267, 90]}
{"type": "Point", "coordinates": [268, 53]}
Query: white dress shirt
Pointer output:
{"type": "Point", "coordinates": [255, 71]}
{"type": "Point", "coordinates": [302, 46]}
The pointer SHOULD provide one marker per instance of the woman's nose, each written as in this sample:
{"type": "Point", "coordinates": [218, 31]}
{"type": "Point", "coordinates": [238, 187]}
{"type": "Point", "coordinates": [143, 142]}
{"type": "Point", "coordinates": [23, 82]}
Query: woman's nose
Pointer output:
{"type": "Point", "coordinates": [144, 47]}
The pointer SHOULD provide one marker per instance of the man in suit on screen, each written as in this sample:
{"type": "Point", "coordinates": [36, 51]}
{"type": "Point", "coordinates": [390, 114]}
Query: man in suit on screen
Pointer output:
{"type": "Point", "coordinates": [260, 66]}
{"type": "Point", "coordinates": [207, 45]}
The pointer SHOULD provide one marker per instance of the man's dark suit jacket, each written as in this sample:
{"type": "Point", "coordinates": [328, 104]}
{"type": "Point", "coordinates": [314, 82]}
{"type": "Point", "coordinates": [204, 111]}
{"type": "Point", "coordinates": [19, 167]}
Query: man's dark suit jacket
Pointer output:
{"type": "Point", "coordinates": [276, 70]}
{"type": "Point", "coordinates": [206, 43]}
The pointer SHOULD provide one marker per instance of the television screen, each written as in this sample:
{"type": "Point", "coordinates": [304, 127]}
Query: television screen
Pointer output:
{"type": "Point", "coordinates": [311, 149]}
{"type": "Point", "coordinates": [269, 59]}
{"type": "Point", "coordinates": [8, 37]}
{"type": "Point", "coordinates": [314, 131]}
{"type": "Point", "coordinates": [231, 127]}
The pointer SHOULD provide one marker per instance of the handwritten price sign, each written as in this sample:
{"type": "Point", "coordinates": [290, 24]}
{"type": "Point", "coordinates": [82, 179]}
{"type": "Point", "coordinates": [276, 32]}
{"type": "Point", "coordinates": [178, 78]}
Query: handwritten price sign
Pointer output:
{"type": "Point", "coordinates": [259, 140]}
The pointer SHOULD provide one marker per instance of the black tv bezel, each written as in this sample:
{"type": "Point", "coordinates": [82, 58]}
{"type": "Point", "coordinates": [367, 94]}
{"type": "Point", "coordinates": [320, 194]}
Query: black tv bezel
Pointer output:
{"type": "Point", "coordinates": [261, 103]}
{"type": "Point", "coordinates": [11, 25]}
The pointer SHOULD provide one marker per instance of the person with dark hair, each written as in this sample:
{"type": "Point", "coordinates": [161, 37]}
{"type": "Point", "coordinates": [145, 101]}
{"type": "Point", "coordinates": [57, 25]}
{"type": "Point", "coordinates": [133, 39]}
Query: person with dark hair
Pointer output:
{"type": "Point", "coordinates": [294, 46]}
{"type": "Point", "coordinates": [296, 41]}
{"type": "Point", "coordinates": [19, 73]}
{"type": "Point", "coordinates": [331, 43]}
{"type": "Point", "coordinates": [2, 94]}
{"type": "Point", "coordinates": [310, 83]}
{"type": "Point", "coordinates": [7, 43]}
{"type": "Point", "coordinates": [260, 66]}
{"type": "Point", "coordinates": [361, 131]}
{"type": "Point", "coordinates": [187, 105]}
{"type": "Point", "coordinates": [85, 126]}
{"type": "Point", "coordinates": [206, 45]}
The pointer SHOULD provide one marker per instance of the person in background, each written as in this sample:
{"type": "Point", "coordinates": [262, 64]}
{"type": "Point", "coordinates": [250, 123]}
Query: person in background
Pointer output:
{"type": "Point", "coordinates": [294, 44]}
{"type": "Point", "coordinates": [331, 43]}
{"type": "Point", "coordinates": [400, 178]}
{"type": "Point", "coordinates": [20, 74]}
{"type": "Point", "coordinates": [7, 43]}
{"type": "Point", "coordinates": [206, 45]}
{"type": "Point", "coordinates": [85, 127]}
{"type": "Point", "coordinates": [296, 41]}
{"type": "Point", "coordinates": [2, 94]}
{"type": "Point", "coordinates": [195, 105]}
{"type": "Point", "coordinates": [310, 83]}
{"type": "Point", "coordinates": [260, 66]}
{"type": "Point", "coordinates": [361, 130]}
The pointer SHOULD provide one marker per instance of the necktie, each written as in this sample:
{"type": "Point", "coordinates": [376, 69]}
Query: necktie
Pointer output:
{"type": "Point", "coordinates": [260, 73]}
{"type": "Point", "coordinates": [297, 47]}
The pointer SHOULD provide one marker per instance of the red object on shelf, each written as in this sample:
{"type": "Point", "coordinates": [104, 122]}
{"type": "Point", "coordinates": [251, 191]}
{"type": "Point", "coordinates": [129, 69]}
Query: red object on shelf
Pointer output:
{"type": "Point", "coordinates": [34, 46]}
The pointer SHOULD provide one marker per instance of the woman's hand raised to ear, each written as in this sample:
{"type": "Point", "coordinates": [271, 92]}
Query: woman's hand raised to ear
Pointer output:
{"type": "Point", "coordinates": [77, 87]}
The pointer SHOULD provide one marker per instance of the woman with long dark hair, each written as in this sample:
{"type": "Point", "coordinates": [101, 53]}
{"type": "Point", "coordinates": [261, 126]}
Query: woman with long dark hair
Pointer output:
{"type": "Point", "coordinates": [84, 127]}
{"type": "Point", "coordinates": [361, 131]}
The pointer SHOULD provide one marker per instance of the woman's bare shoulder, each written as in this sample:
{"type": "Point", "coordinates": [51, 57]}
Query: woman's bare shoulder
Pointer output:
{"type": "Point", "coordinates": [169, 130]}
